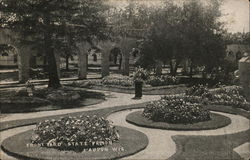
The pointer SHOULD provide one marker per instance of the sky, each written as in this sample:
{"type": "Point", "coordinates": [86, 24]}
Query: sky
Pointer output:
{"type": "Point", "coordinates": [237, 17]}
{"type": "Point", "coordinates": [235, 13]}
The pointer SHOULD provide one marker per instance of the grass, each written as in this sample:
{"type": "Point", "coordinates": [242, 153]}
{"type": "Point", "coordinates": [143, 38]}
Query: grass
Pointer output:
{"type": "Point", "coordinates": [24, 104]}
{"type": "Point", "coordinates": [217, 121]}
{"type": "Point", "coordinates": [130, 142]}
{"type": "Point", "coordinates": [209, 147]}
{"type": "Point", "coordinates": [188, 147]}
{"type": "Point", "coordinates": [100, 112]}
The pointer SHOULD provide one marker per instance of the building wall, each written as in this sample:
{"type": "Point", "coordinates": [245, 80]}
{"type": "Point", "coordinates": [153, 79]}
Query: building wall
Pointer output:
{"type": "Point", "coordinates": [236, 51]}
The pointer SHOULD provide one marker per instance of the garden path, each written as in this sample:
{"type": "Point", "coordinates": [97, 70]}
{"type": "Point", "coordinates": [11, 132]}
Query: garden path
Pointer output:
{"type": "Point", "coordinates": [112, 99]}
{"type": "Point", "coordinates": [161, 145]}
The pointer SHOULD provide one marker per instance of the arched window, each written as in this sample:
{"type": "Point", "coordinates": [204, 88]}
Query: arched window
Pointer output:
{"type": "Point", "coordinates": [94, 57]}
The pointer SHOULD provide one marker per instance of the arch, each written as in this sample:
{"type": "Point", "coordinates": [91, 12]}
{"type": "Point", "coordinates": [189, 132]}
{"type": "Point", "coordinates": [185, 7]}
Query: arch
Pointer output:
{"type": "Point", "coordinates": [114, 53]}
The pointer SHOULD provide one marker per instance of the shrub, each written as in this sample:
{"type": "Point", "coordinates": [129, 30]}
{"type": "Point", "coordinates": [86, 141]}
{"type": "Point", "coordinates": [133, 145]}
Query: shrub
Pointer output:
{"type": "Point", "coordinates": [118, 81]}
{"type": "Point", "coordinates": [176, 111]}
{"type": "Point", "coordinates": [65, 133]}
{"type": "Point", "coordinates": [199, 90]}
{"type": "Point", "coordinates": [162, 80]}
{"type": "Point", "coordinates": [230, 96]}
{"type": "Point", "coordinates": [186, 98]}
{"type": "Point", "coordinates": [63, 97]}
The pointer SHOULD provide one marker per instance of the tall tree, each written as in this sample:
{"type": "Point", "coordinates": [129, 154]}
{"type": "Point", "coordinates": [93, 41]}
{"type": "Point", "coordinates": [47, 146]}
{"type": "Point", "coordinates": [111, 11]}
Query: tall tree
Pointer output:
{"type": "Point", "coordinates": [43, 25]}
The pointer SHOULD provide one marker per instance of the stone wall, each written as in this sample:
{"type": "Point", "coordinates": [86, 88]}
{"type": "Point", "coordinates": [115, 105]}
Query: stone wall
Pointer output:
{"type": "Point", "coordinates": [244, 71]}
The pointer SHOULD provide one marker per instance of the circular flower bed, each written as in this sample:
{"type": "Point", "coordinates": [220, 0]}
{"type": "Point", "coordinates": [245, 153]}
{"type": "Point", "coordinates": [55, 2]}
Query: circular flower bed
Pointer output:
{"type": "Point", "coordinates": [88, 131]}
{"type": "Point", "coordinates": [130, 142]}
{"type": "Point", "coordinates": [217, 121]}
{"type": "Point", "coordinates": [175, 111]}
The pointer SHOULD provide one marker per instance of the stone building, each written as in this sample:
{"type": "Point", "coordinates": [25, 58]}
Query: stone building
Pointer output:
{"type": "Point", "coordinates": [236, 51]}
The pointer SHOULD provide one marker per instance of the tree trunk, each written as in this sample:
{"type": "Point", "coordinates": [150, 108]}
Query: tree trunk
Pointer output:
{"type": "Point", "coordinates": [171, 67]}
{"type": "Point", "coordinates": [82, 60]}
{"type": "Point", "coordinates": [23, 64]}
{"type": "Point", "coordinates": [158, 69]}
{"type": "Point", "coordinates": [191, 70]}
{"type": "Point", "coordinates": [105, 63]}
{"type": "Point", "coordinates": [67, 62]}
{"type": "Point", "coordinates": [54, 81]}
{"type": "Point", "coordinates": [125, 63]}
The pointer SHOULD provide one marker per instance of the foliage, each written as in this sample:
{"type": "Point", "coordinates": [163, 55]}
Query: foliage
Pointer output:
{"type": "Point", "coordinates": [186, 98]}
{"type": "Point", "coordinates": [86, 131]}
{"type": "Point", "coordinates": [223, 96]}
{"type": "Point", "coordinates": [117, 81]}
{"type": "Point", "coordinates": [5, 48]}
{"type": "Point", "coordinates": [53, 26]}
{"type": "Point", "coordinates": [140, 75]}
{"type": "Point", "coordinates": [63, 97]}
{"type": "Point", "coordinates": [176, 111]}
{"type": "Point", "coordinates": [185, 32]}
{"type": "Point", "coordinates": [162, 80]}
{"type": "Point", "coordinates": [232, 96]}
{"type": "Point", "coordinates": [237, 38]}
{"type": "Point", "coordinates": [199, 90]}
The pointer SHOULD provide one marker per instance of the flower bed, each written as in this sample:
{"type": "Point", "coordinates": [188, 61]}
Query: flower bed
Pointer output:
{"type": "Point", "coordinates": [223, 96]}
{"type": "Point", "coordinates": [232, 97]}
{"type": "Point", "coordinates": [175, 111]}
{"type": "Point", "coordinates": [217, 121]}
{"type": "Point", "coordinates": [125, 81]}
{"type": "Point", "coordinates": [87, 131]}
{"type": "Point", "coordinates": [130, 142]}
{"type": "Point", "coordinates": [161, 80]}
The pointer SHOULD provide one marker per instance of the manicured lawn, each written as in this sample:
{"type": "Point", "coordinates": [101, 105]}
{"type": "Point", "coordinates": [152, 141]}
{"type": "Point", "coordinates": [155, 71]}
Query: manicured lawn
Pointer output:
{"type": "Point", "coordinates": [130, 142]}
{"type": "Point", "coordinates": [209, 147]}
{"type": "Point", "coordinates": [100, 112]}
{"type": "Point", "coordinates": [217, 121]}
{"type": "Point", "coordinates": [188, 147]}
{"type": "Point", "coordinates": [23, 104]}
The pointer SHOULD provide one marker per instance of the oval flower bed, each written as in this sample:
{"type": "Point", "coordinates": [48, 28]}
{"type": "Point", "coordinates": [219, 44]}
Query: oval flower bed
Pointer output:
{"type": "Point", "coordinates": [217, 121]}
{"type": "Point", "coordinates": [176, 111]}
{"type": "Point", "coordinates": [85, 129]}
{"type": "Point", "coordinates": [86, 137]}
{"type": "Point", "coordinates": [178, 114]}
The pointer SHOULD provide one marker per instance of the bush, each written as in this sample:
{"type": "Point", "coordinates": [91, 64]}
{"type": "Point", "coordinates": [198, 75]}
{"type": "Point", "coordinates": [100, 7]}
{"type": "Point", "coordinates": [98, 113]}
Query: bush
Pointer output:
{"type": "Point", "coordinates": [176, 111]}
{"type": "Point", "coordinates": [63, 97]}
{"type": "Point", "coordinates": [231, 96]}
{"type": "Point", "coordinates": [199, 90]}
{"type": "Point", "coordinates": [162, 80]}
{"type": "Point", "coordinates": [86, 131]}
{"type": "Point", "coordinates": [186, 98]}
{"type": "Point", "coordinates": [117, 80]}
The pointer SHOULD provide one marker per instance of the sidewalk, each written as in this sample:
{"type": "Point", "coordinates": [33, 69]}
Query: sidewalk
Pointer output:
{"type": "Point", "coordinates": [112, 99]}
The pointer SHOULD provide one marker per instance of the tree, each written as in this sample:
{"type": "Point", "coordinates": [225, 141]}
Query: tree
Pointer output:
{"type": "Point", "coordinates": [164, 41]}
{"type": "Point", "coordinates": [46, 25]}
{"type": "Point", "coordinates": [203, 32]}
{"type": "Point", "coordinates": [188, 31]}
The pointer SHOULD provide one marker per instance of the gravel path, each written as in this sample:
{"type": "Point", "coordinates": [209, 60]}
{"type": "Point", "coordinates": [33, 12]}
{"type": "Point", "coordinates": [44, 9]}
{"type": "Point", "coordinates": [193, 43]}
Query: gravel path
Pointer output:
{"type": "Point", "coordinates": [161, 145]}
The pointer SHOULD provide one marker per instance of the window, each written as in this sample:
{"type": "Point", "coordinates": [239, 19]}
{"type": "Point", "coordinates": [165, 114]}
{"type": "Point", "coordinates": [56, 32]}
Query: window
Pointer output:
{"type": "Point", "coordinates": [94, 57]}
